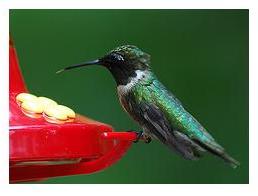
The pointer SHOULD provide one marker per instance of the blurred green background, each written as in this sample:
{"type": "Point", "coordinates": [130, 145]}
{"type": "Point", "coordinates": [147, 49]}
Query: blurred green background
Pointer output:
{"type": "Point", "coordinates": [201, 55]}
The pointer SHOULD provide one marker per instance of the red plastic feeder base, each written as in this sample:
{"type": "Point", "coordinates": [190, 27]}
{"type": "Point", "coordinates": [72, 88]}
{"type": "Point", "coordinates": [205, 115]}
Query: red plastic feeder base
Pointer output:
{"type": "Point", "coordinates": [40, 150]}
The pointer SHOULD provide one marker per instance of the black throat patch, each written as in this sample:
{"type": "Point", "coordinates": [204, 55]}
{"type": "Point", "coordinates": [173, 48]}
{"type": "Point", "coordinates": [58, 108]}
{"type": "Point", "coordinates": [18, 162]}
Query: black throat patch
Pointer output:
{"type": "Point", "coordinates": [122, 74]}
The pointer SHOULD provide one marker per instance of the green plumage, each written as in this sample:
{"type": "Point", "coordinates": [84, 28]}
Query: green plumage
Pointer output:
{"type": "Point", "coordinates": [150, 90]}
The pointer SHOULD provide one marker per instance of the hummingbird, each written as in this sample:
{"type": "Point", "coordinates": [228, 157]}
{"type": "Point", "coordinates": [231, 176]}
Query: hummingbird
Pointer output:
{"type": "Point", "coordinates": [156, 110]}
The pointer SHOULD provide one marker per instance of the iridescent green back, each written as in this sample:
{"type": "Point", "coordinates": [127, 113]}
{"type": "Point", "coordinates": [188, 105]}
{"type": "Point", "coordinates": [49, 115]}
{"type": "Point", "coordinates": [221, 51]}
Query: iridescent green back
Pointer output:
{"type": "Point", "coordinates": [152, 91]}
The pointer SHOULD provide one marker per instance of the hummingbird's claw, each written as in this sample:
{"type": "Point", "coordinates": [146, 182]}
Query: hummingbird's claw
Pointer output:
{"type": "Point", "coordinates": [141, 136]}
{"type": "Point", "coordinates": [147, 139]}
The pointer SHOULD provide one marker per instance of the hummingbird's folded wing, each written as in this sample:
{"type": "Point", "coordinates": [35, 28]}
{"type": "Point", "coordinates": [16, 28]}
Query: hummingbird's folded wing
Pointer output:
{"type": "Point", "coordinates": [157, 124]}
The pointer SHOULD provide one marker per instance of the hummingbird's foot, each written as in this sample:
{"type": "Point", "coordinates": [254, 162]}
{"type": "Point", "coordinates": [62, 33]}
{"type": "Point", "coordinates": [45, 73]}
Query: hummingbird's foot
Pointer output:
{"type": "Point", "coordinates": [146, 138]}
{"type": "Point", "coordinates": [141, 136]}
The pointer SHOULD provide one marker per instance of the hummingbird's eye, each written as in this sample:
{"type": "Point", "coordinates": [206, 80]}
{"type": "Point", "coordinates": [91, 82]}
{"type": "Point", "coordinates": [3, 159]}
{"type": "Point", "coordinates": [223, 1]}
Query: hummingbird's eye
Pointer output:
{"type": "Point", "coordinates": [116, 58]}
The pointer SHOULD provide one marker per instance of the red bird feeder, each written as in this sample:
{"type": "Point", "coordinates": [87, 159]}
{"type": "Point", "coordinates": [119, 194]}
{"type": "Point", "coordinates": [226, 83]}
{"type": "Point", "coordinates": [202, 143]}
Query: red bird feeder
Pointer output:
{"type": "Point", "coordinates": [40, 150]}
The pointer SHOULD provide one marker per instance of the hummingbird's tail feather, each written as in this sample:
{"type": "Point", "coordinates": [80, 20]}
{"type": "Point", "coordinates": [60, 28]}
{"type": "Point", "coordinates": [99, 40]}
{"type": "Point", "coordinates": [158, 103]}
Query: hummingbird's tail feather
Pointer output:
{"type": "Point", "coordinates": [219, 152]}
{"type": "Point", "coordinates": [227, 158]}
{"type": "Point", "coordinates": [184, 146]}
{"type": "Point", "coordinates": [230, 160]}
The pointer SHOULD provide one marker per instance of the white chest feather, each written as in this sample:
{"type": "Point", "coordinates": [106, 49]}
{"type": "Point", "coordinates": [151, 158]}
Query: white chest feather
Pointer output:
{"type": "Point", "coordinates": [123, 89]}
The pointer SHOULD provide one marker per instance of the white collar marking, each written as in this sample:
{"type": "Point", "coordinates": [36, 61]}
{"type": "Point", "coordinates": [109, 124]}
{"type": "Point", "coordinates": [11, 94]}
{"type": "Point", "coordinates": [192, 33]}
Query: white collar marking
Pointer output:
{"type": "Point", "coordinates": [139, 75]}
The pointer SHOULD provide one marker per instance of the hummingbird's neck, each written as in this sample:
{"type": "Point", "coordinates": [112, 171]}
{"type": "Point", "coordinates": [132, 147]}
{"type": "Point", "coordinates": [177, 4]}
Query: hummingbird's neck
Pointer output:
{"type": "Point", "coordinates": [143, 77]}
{"type": "Point", "coordinates": [123, 75]}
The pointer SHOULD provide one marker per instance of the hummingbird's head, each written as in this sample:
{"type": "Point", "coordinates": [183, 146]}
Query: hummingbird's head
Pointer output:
{"type": "Point", "coordinates": [126, 57]}
{"type": "Point", "coordinates": [122, 62]}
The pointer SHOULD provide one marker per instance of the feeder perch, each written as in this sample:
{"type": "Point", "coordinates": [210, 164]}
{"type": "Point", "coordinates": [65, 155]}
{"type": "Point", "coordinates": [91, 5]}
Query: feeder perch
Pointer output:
{"type": "Point", "coordinates": [41, 150]}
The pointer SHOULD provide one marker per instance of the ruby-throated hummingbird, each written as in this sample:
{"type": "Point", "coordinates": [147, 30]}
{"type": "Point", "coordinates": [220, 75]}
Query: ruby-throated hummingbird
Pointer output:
{"type": "Point", "coordinates": [159, 113]}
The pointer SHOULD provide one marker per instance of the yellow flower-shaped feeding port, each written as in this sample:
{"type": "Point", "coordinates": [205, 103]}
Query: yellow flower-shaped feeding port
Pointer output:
{"type": "Point", "coordinates": [59, 113]}
{"type": "Point", "coordinates": [32, 108]}
{"type": "Point", "coordinates": [37, 107]}
{"type": "Point", "coordinates": [22, 97]}
{"type": "Point", "coordinates": [46, 102]}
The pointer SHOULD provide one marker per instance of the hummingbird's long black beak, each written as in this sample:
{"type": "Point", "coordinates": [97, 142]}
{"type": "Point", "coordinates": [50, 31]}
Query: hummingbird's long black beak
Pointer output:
{"type": "Point", "coordinates": [95, 62]}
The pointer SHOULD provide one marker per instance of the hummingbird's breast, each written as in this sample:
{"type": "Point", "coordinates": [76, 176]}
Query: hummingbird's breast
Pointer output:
{"type": "Point", "coordinates": [131, 91]}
